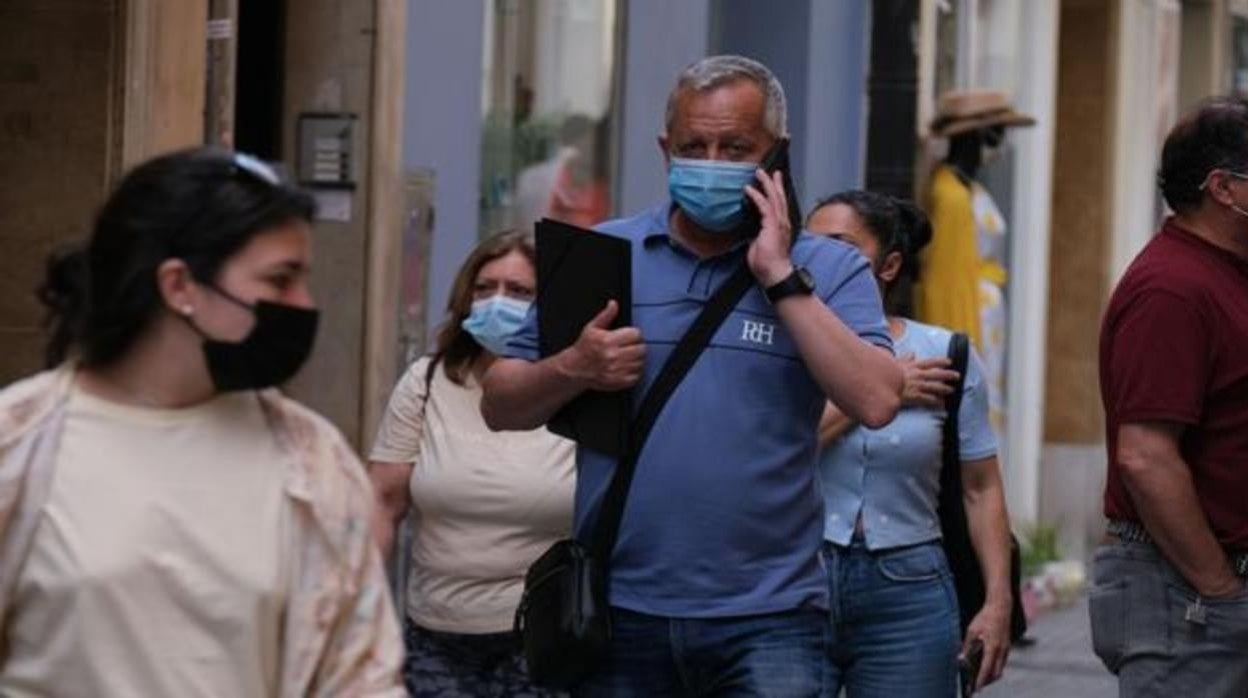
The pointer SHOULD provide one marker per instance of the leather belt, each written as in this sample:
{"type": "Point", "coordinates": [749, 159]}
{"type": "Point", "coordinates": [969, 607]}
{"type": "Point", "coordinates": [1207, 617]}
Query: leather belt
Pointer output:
{"type": "Point", "coordinates": [1132, 532]}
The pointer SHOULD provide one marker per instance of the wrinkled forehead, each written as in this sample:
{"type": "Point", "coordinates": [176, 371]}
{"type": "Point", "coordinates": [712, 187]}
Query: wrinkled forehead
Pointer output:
{"type": "Point", "coordinates": [738, 103]}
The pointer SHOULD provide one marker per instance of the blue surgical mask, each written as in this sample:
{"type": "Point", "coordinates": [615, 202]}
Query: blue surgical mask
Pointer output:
{"type": "Point", "coordinates": [710, 192]}
{"type": "Point", "coordinates": [494, 320]}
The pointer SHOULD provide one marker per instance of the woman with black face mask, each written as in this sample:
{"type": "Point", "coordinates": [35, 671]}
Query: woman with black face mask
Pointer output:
{"type": "Point", "coordinates": [169, 522]}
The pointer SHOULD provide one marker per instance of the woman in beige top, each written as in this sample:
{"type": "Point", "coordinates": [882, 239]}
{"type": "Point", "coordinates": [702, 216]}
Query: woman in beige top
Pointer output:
{"type": "Point", "coordinates": [170, 525]}
{"type": "Point", "coordinates": [483, 505]}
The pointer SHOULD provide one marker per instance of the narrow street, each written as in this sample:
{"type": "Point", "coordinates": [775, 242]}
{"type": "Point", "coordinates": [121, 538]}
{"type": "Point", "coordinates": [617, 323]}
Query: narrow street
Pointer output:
{"type": "Point", "coordinates": [1059, 664]}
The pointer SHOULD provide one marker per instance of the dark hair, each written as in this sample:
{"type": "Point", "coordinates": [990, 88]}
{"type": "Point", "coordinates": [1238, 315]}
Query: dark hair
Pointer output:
{"type": "Point", "coordinates": [200, 205]}
{"type": "Point", "coordinates": [896, 224]}
{"type": "Point", "coordinates": [1213, 136]}
{"type": "Point", "coordinates": [454, 347]}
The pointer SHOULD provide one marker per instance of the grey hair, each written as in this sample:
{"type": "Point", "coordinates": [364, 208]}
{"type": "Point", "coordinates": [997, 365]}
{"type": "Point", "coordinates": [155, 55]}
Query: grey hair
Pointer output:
{"type": "Point", "coordinates": [713, 71]}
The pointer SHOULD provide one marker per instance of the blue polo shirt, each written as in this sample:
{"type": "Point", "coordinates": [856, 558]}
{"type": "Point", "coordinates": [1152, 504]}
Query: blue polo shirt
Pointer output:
{"type": "Point", "coordinates": [725, 516]}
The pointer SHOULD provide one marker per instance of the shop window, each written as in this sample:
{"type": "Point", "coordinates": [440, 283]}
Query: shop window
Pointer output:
{"type": "Point", "coordinates": [549, 112]}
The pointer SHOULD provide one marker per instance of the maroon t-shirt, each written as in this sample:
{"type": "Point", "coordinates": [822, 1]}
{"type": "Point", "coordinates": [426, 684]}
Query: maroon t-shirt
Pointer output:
{"type": "Point", "coordinates": [1174, 348]}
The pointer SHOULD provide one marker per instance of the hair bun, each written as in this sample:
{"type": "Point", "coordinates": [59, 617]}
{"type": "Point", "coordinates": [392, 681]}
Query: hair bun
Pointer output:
{"type": "Point", "coordinates": [64, 285]}
{"type": "Point", "coordinates": [914, 229]}
{"type": "Point", "coordinates": [64, 293]}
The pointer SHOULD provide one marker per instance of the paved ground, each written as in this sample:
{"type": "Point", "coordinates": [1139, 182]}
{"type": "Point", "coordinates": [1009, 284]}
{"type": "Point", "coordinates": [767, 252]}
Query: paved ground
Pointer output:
{"type": "Point", "coordinates": [1060, 664]}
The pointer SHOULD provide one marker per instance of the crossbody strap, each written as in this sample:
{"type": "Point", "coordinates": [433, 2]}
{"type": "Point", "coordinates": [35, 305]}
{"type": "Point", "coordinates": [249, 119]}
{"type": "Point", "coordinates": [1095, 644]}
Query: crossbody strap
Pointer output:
{"type": "Point", "coordinates": [682, 358]}
{"type": "Point", "coordinates": [951, 463]}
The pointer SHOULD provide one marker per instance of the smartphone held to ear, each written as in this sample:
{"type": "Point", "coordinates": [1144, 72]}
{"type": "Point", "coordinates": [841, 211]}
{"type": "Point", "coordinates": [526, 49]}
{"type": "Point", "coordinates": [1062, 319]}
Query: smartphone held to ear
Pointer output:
{"type": "Point", "coordinates": [775, 160]}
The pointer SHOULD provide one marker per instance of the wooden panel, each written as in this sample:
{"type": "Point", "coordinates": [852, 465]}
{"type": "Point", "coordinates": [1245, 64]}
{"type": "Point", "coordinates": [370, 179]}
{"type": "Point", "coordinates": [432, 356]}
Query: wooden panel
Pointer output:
{"type": "Point", "coordinates": [165, 68]}
{"type": "Point", "coordinates": [86, 88]}
{"type": "Point", "coordinates": [56, 75]}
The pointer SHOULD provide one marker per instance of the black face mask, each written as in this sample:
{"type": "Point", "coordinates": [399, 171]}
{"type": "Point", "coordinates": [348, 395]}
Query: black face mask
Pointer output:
{"type": "Point", "coordinates": [277, 346]}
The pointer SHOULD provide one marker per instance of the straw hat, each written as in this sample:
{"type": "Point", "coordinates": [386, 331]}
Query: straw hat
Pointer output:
{"type": "Point", "coordinates": [960, 111]}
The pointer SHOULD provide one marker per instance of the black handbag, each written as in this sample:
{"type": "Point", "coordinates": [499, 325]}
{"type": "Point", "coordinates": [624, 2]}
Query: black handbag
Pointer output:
{"type": "Point", "coordinates": [955, 533]}
{"type": "Point", "coordinates": [563, 618]}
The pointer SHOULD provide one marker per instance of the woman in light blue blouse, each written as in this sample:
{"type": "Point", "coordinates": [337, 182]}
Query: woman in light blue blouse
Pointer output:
{"type": "Point", "coordinates": [894, 619]}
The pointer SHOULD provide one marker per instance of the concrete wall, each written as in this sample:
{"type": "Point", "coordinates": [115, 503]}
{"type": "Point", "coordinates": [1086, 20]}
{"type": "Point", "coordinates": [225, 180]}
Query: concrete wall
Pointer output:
{"type": "Point", "coordinates": [329, 53]}
{"type": "Point", "coordinates": [1034, 86]}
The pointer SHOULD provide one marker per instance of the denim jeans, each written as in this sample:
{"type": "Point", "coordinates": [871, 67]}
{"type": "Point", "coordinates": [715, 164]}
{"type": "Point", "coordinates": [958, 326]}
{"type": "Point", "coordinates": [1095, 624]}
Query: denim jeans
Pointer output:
{"type": "Point", "coordinates": [1143, 630]}
{"type": "Point", "coordinates": [776, 655]}
{"type": "Point", "coordinates": [894, 627]}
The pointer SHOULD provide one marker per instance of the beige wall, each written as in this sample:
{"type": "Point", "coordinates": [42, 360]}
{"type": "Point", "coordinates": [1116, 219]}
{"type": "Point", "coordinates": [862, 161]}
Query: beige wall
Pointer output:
{"type": "Point", "coordinates": [1206, 51]}
{"type": "Point", "coordinates": [91, 87]}
{"type": "Point", "coordinates": [344, 56]}
{"type": "Point", "coordinates": [86, 87]}
{"type": "Point", "coordinates": [1078, 271]}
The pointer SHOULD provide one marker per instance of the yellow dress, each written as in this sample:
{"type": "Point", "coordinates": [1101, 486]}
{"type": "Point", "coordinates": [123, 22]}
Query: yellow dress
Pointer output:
{"type": "Point", "coordinates": [962, 283]}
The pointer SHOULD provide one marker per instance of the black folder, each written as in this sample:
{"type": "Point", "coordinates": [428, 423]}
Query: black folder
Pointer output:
{"type": "Point", "coordinates": [578, 271]}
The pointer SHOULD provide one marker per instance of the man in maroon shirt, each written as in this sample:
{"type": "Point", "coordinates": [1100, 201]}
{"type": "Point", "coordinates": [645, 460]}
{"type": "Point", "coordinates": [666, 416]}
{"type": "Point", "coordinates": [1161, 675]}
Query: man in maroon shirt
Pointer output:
{"type": "Point", "coordinates": [1169, 604]}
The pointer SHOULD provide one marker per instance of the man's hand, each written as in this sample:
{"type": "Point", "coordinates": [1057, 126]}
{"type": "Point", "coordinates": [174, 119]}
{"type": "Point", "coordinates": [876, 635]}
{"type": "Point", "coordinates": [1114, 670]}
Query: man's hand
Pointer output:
{"type": "Point", "coordinates": [769, 253]}
{"type": "Point", "coordinates": [1227, 586]}
{"type": "Point", "coordinates": [991, 626]}
{"type": "Point", "coordinates": [1160, 484]}
{"type": "Point", "coordinates": [603, 358]}
{"type": "Point", "coordinates": [928, 382]}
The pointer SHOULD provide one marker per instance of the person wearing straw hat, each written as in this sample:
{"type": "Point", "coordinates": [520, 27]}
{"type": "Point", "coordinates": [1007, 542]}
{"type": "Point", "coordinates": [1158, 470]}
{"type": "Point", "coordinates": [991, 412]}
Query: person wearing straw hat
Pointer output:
{"type": "Point", "coordinates": [964, 266]}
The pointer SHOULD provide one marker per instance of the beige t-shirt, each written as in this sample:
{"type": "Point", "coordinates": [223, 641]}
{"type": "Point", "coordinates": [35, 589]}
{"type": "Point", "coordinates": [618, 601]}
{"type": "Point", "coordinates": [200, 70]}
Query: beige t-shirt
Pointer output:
{"type": "Point", "coordinates": [485, 504]}
{"type": "Point", "coordinates": [158, 566]}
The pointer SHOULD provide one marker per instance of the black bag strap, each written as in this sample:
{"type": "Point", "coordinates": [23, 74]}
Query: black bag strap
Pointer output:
{"type": "Point", "coordinates": [954, 530]}
{"type": "Point", "coordinates": [954, 527]}
{"type": "Point", "coordinates": [959, 356]}
{"type": "Point", "coordinates": [682, 358]}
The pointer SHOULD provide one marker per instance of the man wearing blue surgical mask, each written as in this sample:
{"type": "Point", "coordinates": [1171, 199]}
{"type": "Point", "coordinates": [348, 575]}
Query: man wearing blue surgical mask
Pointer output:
{"type": "Point", "coordinates": [715, 582]}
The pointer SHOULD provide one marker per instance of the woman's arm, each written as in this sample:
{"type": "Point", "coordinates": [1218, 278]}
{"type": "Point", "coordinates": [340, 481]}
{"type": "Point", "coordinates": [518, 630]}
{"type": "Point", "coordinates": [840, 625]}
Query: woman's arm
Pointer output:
{"type": "Point", "coordinates": [395, 450]}
{"type": "Point", "coordinates": [392, 501]}
{"type": "Point", "coordinates": [928, 384]}
{"type": "Point", "coordinates": [833, 425]}
{"type": "Point", "coordinates": [989, 525]}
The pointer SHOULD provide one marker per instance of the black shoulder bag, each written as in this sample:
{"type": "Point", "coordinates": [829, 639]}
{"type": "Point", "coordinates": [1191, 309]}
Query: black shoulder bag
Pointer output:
{"type": "Point", "coordinates": [955, 532]}
{"type": "Point", "coordinates": [563, 619]}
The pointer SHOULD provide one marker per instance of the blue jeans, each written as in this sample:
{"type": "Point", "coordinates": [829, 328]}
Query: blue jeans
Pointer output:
{"type": "Point", "coordinates": [776, 655]}
{"type": "Point", "coordinates": [894, 627]}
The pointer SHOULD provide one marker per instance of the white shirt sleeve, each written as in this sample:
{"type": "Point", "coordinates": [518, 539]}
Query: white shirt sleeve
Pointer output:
{"type": "Point", "coordinates": [403, 425]}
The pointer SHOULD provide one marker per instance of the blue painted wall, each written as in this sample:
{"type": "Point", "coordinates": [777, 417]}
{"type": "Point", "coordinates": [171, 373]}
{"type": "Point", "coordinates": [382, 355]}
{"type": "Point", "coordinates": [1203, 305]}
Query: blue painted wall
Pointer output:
{"type": "Point", "coordinates": [662, 37]}
{"type": "Point", "coordinates": [442, 127]}
{"type": "Point", "coordinates": [818, 49]}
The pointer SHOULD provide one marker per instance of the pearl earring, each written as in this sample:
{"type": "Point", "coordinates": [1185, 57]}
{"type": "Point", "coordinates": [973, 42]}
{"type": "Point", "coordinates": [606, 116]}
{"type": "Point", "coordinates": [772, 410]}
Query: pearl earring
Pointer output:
{"type": "Point", "coordinates": [187, 310]}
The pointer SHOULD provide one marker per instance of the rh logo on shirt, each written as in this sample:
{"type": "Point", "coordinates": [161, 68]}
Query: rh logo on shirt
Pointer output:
{"type": "Point", "coordinates": [758, 332]}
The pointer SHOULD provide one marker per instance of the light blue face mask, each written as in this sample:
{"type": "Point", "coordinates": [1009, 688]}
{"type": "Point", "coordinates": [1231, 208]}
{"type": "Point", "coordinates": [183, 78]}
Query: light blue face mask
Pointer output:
{"type": "Point", "coordinates": [494, 320]}
{"type": "Point", "coordinates": [710, 192]}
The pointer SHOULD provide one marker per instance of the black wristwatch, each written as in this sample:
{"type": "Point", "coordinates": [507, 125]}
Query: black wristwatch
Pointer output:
{"type": "Point", "coordinates": [799, 282]}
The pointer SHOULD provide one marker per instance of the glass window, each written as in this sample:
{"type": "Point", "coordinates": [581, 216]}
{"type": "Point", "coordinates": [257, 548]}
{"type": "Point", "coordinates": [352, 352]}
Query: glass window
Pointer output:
{"type": "Point", "coordinates": [549, 97]}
